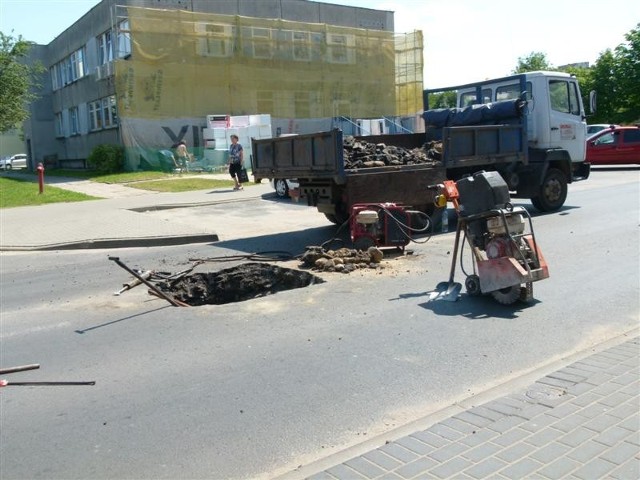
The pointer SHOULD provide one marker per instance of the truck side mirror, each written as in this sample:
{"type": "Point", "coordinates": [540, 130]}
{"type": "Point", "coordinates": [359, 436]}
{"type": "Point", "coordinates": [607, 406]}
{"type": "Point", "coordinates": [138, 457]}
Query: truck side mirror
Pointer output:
{"type": "Point", "coordinates": [592, 101]}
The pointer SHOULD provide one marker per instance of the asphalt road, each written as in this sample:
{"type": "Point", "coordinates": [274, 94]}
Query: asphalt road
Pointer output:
{"type": "Point", "coordinates": [254, 389]}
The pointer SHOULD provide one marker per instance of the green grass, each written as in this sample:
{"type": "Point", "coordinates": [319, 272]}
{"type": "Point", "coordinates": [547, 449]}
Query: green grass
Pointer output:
{"type": "Point", "coordinates": [19, 193]}
{"type": "Point", "coordinates": [122, 177]}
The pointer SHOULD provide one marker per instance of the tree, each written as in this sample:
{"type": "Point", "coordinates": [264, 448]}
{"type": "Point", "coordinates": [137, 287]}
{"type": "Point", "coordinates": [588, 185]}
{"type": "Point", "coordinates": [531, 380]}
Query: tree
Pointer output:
{"type": "Point", "coordinates": [606, 87]}
{"type": "Point", "coordinates": [627, 75]}
{"type": "Point", "coordinates": [17, 79]}
{"type": "Point", "coordinates": [442, 100]}
{"type": "Point", "coordinates": [534, 61]}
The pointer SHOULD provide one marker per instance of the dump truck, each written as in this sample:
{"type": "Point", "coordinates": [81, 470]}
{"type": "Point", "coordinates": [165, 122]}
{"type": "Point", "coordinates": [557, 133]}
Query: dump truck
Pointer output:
{"type": "Point", "coordinates": [529, 127]}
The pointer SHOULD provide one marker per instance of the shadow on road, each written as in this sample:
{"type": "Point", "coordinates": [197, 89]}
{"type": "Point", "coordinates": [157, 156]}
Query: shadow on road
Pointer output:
{"type": "Point", "coordinates": [292, 242]}
{"type": "Point", "coordinates": [476, 308]}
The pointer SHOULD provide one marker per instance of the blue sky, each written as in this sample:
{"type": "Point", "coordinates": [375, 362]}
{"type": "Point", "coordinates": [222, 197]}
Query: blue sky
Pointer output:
{"type": "Point", "coordinates": [465, 40]}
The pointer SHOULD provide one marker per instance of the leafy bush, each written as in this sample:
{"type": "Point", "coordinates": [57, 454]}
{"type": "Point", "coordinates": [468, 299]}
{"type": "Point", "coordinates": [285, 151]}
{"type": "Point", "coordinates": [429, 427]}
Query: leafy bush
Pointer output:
{"type": "Point", "coordinates": [106, 158]}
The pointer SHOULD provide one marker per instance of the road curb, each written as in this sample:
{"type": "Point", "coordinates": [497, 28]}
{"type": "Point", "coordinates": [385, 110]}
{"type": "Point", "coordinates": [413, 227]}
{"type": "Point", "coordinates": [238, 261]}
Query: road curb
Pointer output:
{"type": "Point", "coordinates": [103, 243]}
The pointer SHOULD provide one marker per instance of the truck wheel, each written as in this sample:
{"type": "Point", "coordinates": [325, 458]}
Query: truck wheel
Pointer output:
{"type": "Point", "coordinates": [282, 189]}
{"type": "Point", "coordinates": [342, 214]}
{"type": "Point", "coordinates": [332, 218]}
{"type": "Point", "coordinates": [553, 192]}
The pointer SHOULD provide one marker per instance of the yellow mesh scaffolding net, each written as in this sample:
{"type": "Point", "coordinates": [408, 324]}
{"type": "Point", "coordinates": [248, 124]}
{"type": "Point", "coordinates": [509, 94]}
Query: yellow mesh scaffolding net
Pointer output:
{"type": "Point", "coordinates": [191, 64]}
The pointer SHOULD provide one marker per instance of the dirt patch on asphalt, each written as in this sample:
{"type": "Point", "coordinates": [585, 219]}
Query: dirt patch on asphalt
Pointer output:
{"type": "Point", "coordinates": [237, 284]}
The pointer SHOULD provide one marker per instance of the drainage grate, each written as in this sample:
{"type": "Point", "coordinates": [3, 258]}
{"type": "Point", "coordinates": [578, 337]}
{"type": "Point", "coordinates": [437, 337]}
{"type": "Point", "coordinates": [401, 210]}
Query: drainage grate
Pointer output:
{"type": "Point", "coordinates": [237, 284]}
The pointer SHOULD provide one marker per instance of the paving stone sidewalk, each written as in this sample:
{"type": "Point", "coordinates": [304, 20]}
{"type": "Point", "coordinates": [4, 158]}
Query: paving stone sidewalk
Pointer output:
{"type": "Point", "coordinates": [581, 422]}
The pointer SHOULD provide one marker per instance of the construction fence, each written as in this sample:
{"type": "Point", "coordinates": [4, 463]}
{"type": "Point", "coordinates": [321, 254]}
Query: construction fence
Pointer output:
{"type": "Point", "coordinates": [186, 65]}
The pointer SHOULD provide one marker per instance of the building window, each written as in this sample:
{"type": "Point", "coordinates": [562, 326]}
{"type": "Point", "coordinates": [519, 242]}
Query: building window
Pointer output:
{"type": "Point", "coordinates": [261, 40]}
{"type": "Point", "coordinates": [58, 125]}
{"type": "Point", "coordinates": [74, 121]}
{"type": "Point", "coordinates": [214, 40]}
{"type": "Point", "coordinates": [341, 48]}
{"type": "Point", "coordinates": [95, 115]}
{"type": "Point", "coordinates": [105, 48]}
{"type": "Point", "coordinates": [301, 46]}
{"type": "Point", "coordinates": [124, 39]}
{"type": "Point", "coordinates": [109, 116]}
{"type": "Point", "coordinates": [76, 61]}
{"type": "Point", "coordinates": [55, 81]}
{"type": "Point", "coordinates": [68, 70]}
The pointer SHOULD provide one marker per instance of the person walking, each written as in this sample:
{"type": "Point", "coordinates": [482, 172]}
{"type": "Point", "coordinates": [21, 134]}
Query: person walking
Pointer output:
{"type": "Point", "coordinates": [236, 158]}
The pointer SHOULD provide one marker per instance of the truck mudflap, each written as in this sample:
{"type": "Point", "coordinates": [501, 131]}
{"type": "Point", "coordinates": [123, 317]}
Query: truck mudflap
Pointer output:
{"type": "Point", "coordinates": [581, 171]}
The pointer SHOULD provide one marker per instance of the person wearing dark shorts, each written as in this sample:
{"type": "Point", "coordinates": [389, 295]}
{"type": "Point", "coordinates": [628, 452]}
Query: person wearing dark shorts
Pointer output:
{"type": "Point", "coordinates": [236, 155]}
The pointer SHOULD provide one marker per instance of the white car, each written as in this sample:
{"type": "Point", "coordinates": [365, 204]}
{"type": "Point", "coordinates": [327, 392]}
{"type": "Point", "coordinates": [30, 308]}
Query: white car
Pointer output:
{"type": "Point", "coordinates": [15, 161]}
{"type": "Point", "coordinates": [283, 186]}
{"type": "Point", "coordinates": [598, 127]}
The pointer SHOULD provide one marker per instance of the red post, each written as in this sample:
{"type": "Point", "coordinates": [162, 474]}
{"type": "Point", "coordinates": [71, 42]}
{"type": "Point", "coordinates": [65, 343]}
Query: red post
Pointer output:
{"type": "Point", "coordinates": [40, 169]}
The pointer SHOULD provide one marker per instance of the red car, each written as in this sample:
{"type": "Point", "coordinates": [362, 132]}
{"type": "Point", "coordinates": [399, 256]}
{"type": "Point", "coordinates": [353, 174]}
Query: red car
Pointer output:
{"type": "Point", "coordinates": [614, 146]}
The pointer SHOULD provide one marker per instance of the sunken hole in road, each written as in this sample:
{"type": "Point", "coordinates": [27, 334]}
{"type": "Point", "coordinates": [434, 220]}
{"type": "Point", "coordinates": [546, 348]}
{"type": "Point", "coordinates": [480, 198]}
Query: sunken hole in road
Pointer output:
{"type": "Point", "coordinates": [237, 284]}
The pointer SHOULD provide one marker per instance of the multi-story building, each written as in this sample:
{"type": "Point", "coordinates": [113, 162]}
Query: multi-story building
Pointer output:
{"type": "Point", "coordinates": [146, 73]}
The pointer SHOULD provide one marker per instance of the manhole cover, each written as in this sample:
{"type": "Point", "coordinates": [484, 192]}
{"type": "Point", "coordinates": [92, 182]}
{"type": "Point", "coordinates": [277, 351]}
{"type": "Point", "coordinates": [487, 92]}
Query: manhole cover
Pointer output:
{"type": "Point", "coordinates": [237, 284]}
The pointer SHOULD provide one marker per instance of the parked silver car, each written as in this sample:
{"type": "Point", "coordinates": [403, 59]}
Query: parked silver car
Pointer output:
{"type": "Point", "coordinates": [15, 161]}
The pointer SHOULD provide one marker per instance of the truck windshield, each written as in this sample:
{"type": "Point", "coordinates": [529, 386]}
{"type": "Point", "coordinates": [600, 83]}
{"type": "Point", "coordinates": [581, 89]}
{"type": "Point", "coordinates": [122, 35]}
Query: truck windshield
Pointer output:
{"type": "Point", "coordinates": [564, 96]}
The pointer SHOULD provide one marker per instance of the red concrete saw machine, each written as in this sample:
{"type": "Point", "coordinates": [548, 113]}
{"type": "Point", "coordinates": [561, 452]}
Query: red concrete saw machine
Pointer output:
{"type": "Point", "coordinates": [380, 225]}
{"type": "Point", "coordinates": [506, 256]}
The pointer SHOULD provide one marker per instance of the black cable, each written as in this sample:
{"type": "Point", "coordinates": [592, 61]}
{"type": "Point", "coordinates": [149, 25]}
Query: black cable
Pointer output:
{"type": "Point", "coordinates": [266, 256]}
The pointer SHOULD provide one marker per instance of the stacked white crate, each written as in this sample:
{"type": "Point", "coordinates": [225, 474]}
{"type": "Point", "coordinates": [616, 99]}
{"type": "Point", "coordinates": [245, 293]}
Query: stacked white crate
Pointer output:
{"type": "Point", "coordinates": [221, 127]}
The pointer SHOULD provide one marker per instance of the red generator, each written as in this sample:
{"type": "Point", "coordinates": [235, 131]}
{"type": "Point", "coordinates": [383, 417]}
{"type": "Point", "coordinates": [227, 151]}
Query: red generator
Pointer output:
{"type": "Point", "coordinates": [379, 225]}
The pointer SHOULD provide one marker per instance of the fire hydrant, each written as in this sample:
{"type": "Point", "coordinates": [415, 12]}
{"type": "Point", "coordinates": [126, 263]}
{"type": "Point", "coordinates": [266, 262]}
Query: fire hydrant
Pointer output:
{"type": "Point", "coordinates": [40, 169]}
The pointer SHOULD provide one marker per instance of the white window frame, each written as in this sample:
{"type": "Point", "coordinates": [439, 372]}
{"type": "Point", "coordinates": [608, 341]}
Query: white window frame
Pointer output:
{"type": "Point", "coordinates": [261, 42]}
{"type": "Point", "coordinates": [109, 114]}
{"type": "Point", "coordinates": [105, 48]}
{"type": "Point", "coordinates": [341, 48]}
{"type": "Point", "coordinates": [216, 40]}
{"type": "Point", "coordinates": [59, 125]}
{"type": "Point", "coordinates": [301, 42]}
{"type": "Point", "coordinates": [95, 115]}
{"type": "Point", "coordinates": [74, 121]}
{"type": "Point", "coordinates": [54, 77]}
{"type": "Point", "coordinates": [124, 39]}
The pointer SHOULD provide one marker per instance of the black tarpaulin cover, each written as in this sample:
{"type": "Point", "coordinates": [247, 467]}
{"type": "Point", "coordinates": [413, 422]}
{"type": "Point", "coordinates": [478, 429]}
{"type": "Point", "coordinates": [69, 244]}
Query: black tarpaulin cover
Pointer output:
{"type": "Point", "coordinates": [488, 113]}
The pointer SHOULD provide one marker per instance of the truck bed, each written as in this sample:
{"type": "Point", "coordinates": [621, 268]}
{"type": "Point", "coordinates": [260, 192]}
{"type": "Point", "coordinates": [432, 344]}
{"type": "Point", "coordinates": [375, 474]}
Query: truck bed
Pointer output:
{"type": "Point", "coordinates": [317, 162]}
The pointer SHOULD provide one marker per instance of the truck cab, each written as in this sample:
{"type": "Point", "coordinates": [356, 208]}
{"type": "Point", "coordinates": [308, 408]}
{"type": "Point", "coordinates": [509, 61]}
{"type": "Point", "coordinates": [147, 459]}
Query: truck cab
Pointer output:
{"type": "Point", "coordinates": [556, 117]}
{"type": "Point", "coordinates": [551, 129]}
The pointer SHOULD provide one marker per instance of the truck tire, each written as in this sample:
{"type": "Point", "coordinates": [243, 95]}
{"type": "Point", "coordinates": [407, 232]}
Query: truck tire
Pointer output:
{"type": "Point", "coordinates": [281, 187]}
{"type": "Point", "coordinates": [332, 218]}
{"type": "Point", "coordinates": [553, 192]}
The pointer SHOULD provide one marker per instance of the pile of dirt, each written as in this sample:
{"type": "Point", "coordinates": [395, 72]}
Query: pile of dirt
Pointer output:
{"type": "Point", "coordinates": [344, 260]}
{"type": "Point", "coordinates": [362, 154]}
